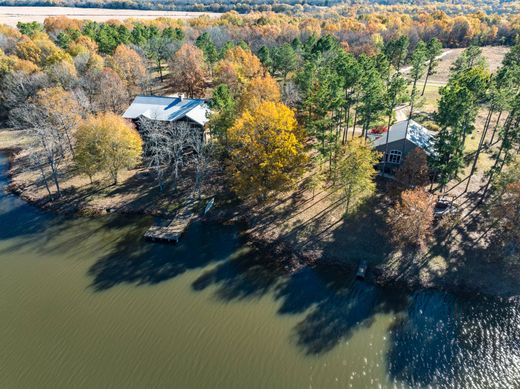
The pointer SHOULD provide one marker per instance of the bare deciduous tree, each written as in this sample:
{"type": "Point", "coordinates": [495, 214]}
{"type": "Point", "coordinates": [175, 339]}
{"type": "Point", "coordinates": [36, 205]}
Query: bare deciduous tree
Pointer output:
{"type": "Point", "coordinates": [171, 146]}
{"type": "Point", "coordinates": [202, 156]}
{"type": "Point", "coordinates": [46, 139]}
{"type": "Point", "coordinates": [157, 155]}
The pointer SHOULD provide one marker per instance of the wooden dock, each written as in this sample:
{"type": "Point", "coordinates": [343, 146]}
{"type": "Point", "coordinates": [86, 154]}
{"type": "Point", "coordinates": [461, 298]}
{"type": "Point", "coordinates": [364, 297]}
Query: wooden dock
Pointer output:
{"type": "Point", "coordinates": [173, 230]}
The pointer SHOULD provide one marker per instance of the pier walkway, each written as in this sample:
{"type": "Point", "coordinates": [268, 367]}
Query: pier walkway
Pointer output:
{"type": "Point", "coordinates": [174, 229]}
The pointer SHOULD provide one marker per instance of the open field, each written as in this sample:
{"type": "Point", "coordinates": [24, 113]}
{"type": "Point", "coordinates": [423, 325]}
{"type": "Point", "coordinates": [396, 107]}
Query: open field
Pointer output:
{"type": "Point", "coordinates": [493, 55]}
{"type": "Point", "coordinates": [13, 15]}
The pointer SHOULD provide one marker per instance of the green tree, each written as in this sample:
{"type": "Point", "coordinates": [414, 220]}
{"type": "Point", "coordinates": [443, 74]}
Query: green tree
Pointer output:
{"type": "Point", "coordinates": [418, 67]}
{"type": "Point", "coordinates": [223, 107]}
{"type": "Point", "coordinates": [396, 51]}
{"type": "Point", "coordinates": [264, 55]}
{"type": "Point", "coordinates": [355, 172]}
{"type": "Point", "coordinates": [395, 87]}
{"type": "Point", "coordinates": [349, 71]}
{"type": "Point", "coordinates": [284, 61]}
{"type": "Point", "coordinates": [470, 58]}
{"type": "Point", "coordinates": [434, 49]}
{"type": "Point", "coordinates": [29, 28]}
{"type": "Point", "coordinates": [206, 44]}
{"type": "Point", "coordinates": [372, 99]}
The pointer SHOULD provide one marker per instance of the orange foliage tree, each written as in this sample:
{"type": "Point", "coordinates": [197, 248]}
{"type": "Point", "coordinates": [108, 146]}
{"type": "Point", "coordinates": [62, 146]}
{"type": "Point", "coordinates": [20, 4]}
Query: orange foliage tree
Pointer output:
{"type": "Point", "coordinates": [129, 65]}
{"type": "Point", "coordinates": [410, 220]}
{"type": "Point", "coordinates": [257, 91]}
{"type": "Point", "coordinates": [237, 68]}
{"type": "Point", "coordinates": [188, 71]}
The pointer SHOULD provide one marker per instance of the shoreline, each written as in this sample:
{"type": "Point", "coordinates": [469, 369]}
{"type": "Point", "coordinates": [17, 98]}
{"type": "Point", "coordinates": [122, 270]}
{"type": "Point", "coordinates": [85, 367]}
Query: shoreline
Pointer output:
{"type": "Point", "coordinates": [292, 259]}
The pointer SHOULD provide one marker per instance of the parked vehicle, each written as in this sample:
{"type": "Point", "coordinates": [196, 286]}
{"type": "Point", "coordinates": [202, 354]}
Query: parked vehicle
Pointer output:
{"type": "Point", "coordinates": [444, 206]}
{"type": "Point", "coordinates": [362, 270]}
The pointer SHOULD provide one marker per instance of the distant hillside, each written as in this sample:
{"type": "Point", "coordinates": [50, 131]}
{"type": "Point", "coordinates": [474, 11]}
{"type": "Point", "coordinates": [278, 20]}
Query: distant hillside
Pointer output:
{"type": "Point", "coordinates": [286, 6]}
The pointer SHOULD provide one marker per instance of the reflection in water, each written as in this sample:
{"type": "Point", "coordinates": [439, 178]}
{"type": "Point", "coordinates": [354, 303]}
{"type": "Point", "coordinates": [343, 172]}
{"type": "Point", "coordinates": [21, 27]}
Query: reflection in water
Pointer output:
{"type": "Point", "coordinates": [457, 341]}
{"type": "Point", "coordinates": [87, 303]}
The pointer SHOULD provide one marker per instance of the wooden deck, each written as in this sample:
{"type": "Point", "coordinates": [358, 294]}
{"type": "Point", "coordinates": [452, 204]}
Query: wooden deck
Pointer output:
{"type": "Point", "coordinates": [173, 230]}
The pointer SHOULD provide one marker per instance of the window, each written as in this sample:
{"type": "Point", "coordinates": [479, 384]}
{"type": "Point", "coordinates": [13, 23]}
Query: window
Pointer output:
{"type": "Point", "coordinates": [394, 156]}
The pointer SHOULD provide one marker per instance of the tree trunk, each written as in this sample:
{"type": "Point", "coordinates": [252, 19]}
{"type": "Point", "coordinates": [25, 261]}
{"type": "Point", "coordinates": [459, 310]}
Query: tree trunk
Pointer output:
{"type": "Point", "coordinates": [354, 124]}
{"type": "Point", "coordinates": [426, 80]}
{"type": "Point", "coordinates": [494, 169]}
{"type": "Point", "coordinates": [345, 133]}
{"type": "Point", "coordinates": [412, 104]}
{"type": "Point", "coordinates": [385, 156]}
{"type": "Point", "coordinates": [45, 182]}
{"type": "Point", "coordinates": [496, 127]}
{"type": "Point", "coordinates": [481, 143]}
{"type": "Point", "coordinates": [160, 70]}
{"type": "Point", "coordinates": [55, 178]}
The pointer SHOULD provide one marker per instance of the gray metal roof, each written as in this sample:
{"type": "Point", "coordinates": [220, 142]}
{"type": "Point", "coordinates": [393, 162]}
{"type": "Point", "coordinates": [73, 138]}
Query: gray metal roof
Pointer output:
{"type": "Point", "coordinates": [417, 134]}
{"type": "Point", "coordinates": [168, 109]}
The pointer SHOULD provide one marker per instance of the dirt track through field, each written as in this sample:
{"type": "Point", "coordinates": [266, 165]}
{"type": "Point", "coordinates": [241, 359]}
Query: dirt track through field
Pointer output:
{"type": "Point", "coordinates": [13, 15]}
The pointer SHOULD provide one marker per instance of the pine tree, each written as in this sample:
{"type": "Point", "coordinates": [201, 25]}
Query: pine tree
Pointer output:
{"type": "Point", "coordinates": [434, 49]}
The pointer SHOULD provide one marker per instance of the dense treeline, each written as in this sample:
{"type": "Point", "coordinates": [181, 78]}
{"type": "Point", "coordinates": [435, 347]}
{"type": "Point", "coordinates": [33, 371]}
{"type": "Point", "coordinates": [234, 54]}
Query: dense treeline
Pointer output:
{"type": "Point", "coordinates": [321, 7]}
{"type": "Point", "coordinates": [285, 92]}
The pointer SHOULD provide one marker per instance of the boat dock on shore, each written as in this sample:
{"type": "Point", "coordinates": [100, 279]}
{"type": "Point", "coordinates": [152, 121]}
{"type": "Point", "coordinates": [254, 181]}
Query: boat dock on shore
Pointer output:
{"type": "Point", "coordinates": [171, 232]}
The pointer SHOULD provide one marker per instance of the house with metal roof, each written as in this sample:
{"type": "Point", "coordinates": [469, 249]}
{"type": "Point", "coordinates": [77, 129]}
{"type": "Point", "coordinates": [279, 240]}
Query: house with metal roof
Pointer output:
{"type": "Point", "coordinates": [169, 109]}
{"type": "Point", "coordinates": [401, 141]}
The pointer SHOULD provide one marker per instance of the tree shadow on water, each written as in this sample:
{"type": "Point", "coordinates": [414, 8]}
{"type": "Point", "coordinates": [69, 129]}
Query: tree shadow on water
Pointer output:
{"type": "Point", "coordinates": [342, 310]}
{"type": "Point", "coordinates": [135, 261]}
{"type": "Point", "coordinates": [332, 303]}
{"type": "Point", "coordinates": [248, 275]}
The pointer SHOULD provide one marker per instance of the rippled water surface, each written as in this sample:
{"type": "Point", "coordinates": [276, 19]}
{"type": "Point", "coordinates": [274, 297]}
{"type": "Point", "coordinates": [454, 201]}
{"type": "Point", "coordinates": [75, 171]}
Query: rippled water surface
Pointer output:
{"type": "Point", "coordinates": [87, 304]}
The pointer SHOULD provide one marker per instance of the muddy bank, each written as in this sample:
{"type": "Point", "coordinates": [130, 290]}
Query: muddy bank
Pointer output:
{"type": "Point", "coordinates": [477, 277]}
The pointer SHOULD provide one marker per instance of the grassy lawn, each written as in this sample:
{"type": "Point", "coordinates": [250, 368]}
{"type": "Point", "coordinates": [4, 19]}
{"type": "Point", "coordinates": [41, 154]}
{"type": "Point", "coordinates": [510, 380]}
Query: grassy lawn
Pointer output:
{"type": "Point", "coordinates": [13, 138]}
{"type": "Point", "coordinates": [428, 102]}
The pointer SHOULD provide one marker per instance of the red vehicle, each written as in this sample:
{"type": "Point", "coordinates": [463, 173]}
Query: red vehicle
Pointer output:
{"type": "Point", "coordinates": [379, 130]}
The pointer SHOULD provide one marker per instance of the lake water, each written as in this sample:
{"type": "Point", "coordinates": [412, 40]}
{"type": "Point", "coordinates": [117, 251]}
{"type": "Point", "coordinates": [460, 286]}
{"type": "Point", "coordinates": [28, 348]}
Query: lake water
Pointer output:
{"type": "Point", "coordinates": [86, 303]}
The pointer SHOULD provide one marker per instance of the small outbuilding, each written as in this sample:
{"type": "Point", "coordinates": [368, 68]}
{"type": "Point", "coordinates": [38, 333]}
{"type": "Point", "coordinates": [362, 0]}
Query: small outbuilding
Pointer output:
{"type": "Point", "coordinates": [401, 141]}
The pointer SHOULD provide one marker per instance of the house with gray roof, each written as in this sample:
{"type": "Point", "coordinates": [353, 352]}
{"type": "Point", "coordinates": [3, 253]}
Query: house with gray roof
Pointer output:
{"type": "Point", "coordinates": [169, 109]}
{"type": "Point", "coordinates": [401, 141]}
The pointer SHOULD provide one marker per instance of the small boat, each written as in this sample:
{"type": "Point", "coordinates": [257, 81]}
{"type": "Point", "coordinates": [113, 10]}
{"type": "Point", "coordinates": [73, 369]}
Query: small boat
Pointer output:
{"type": "Point", "coordinates": [362, 270]}
{"type": "Point", "coordinates": [209, 205]}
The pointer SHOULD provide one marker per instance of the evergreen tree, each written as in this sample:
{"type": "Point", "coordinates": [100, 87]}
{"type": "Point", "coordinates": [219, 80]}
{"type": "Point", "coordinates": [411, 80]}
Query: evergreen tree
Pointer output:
{"type": "Point", "coordinates": [434, 49]}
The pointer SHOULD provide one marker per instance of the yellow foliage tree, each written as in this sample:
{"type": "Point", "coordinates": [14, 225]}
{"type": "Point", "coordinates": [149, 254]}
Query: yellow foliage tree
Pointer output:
{"type": "Point", "coordinates": [266, 150]}
{"type": "Point", "coordinates": [109, 143]}
{"type": "Point", "coordinates": [83, 44]}
{"type": "Point", "coordinates": [258, 90]}
{"type": "Point", "coordinates": [56, 24]}
{"type": "Point", "coordinates": [6, 63]}
{"type": "Point", "coordinates": [27, 50]}
{"type": "Point", "coordinates": [50, 53]}
{"type": "Point", "coordinates": [9, 31]}
{"type": "Point", "coordinates": [23, 65]}
{"type": "Point", "coordinates": [62, 110]}
{"type": "Point", "coordinates": [355, 172]}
